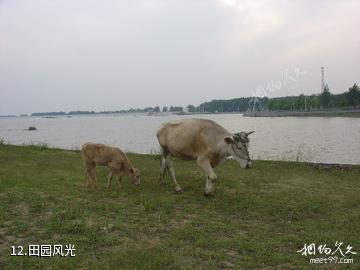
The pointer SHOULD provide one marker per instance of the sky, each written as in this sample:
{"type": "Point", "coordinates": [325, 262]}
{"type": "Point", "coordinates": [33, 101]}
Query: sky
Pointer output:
{"type": "Point", "coordinates": [64, 55]}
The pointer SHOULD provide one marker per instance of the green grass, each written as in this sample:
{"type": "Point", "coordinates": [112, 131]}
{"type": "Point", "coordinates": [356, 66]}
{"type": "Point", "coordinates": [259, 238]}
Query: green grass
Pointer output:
{"type": "Point", "coordinates": [258, 218]}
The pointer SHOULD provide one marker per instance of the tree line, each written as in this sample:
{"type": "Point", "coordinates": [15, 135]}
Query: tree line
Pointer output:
{"type": "Point", "coordinates": [326, 100]}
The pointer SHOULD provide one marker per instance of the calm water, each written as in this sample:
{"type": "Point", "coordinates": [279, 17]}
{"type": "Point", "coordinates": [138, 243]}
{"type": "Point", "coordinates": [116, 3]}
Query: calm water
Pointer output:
{"type": "Point", "coordinates": [315, 139]}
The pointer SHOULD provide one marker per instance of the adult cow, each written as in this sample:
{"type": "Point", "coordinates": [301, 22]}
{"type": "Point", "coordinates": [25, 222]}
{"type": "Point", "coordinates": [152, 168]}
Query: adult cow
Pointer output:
{"type": "Point", "coordinates": [204, 141]}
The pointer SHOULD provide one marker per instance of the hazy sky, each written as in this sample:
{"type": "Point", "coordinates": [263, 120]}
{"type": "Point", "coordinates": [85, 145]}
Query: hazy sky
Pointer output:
{"type": "Point", "coordinates": [117, 54]}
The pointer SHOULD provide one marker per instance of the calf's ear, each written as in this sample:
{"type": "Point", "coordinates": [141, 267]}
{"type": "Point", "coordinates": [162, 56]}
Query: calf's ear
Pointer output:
{"type": "Point", "coordinates": [229, 140]}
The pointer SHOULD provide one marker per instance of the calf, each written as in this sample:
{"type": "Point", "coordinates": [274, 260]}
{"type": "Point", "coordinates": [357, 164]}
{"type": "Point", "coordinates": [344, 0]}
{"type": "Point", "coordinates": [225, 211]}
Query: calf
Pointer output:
{"type": "Point", "coordinates": [112, 157]}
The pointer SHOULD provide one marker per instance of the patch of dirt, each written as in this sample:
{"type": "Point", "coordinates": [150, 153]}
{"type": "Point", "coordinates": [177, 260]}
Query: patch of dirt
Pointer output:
{"type": "Point", "coordinates": [153, 241]}
{"type": "Point", "coordinates": [339, 167]}
{"type": "Point", "coordinates": [179, 224]}
{"type": "Point", "coordinates": [6, 241]}
{"type": "Point", "coordinates": [229, 190]}
{"type": "Point", "coordinates": [227, 265]}
{"type": "Point", "coordinates": [232, 253]}
{"type": "Point", "coordinates": [23, 209]}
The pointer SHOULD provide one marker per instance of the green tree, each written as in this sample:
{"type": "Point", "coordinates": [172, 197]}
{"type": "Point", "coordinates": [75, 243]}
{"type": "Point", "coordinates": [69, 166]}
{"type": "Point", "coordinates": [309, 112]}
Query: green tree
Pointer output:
{"type": "Point", "coordinates": [313, 102]}
{"type": "Point", "coordinates": [191, 108]}
{"type": "Point", "coordinates": [176, 109]}
{"type": "Point", "coordinates": [354, 95]}
{"type": "Point", "coordinates": [325, 97]}
{"type": "Point", "coordinates": [300, 102]}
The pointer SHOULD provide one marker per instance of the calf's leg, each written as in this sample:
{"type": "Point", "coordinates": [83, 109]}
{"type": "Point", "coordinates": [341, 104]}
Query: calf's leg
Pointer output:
{"type": "Point", "coordinates": [120, 180]}
{"type": "Point", "coordinates": [111, 174]}
{"type": "Point", "coordinates": [88, 176]}
{"type": "Point", "coordinates": [92, 173]}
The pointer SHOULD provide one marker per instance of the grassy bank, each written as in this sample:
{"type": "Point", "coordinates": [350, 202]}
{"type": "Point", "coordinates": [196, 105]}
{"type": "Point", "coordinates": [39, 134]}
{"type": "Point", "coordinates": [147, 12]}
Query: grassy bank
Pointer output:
{"type": "Point", "coordinates": [258, 218]}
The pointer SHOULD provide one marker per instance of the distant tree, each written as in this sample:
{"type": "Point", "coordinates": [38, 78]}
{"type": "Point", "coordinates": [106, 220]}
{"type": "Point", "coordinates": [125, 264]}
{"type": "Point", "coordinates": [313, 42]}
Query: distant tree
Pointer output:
{"type": "Point", "coordinates": [47, 113]}
{"type": "Point", "coordinates": [191, 108]}
{"type": "Point", "coordinates": [156, 109]}
{"type": "Point", "coordinates": [354, 95]}
{"type": "Point", "coordinates": [300, 102]}
{"type": "Point", "coordinates": [313, 102]}
{"type": "Point", "coordinates": [232, 105]}
{"type": "Point", "coordinates": [81, 112]}
{"type": "Point", "coordinates": [325, 97]}
{"type": "Point", "coordinates": [176, 109]}
{"type": "Point", "coordinates": [148, 109]}
{"type": "Point", "coordinates": [165, 109]}
{"type": "Point", "coordinates": [343, 101]}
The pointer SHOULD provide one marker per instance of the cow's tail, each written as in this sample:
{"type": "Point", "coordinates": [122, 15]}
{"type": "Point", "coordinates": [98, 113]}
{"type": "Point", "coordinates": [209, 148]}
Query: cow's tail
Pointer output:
{"type": "Point", "coordinates": [164, 154]}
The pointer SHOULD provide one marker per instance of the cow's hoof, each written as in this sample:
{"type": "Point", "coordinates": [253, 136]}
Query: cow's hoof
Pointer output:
{"type": "Point", "coordinates": [208, 194]}
{"type": "Point", "coordinates": [178, 190]}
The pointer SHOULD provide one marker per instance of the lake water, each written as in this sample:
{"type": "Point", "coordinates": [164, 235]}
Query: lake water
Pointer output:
{"type": "Point", "coordinates": [317, 139]}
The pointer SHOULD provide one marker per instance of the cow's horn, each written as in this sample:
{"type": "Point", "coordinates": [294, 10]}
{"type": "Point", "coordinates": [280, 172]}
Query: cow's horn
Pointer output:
{"type": "Point", "coordinates": [248, 133]}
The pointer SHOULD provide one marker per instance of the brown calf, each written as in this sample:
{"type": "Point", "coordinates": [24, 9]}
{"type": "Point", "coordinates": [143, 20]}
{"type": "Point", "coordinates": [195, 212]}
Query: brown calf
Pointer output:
{"type": "Point", "coordinates": [99, 154]}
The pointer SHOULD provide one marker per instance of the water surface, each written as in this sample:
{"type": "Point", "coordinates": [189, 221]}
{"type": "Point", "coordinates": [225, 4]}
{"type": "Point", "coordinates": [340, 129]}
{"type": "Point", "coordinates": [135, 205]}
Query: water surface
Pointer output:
{"type": "Point", "coordinates": [318, 139]}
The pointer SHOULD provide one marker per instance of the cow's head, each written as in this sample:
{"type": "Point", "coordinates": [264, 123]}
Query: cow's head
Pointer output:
{"type": "Point", "coordinates": [135, 176]}
{"type": "Point", "coordinates": [238, 147]}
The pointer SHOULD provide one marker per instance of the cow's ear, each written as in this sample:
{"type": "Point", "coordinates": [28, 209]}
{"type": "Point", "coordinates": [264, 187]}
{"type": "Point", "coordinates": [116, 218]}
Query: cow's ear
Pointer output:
{"type": "Point", "coordinates": [229, 140]}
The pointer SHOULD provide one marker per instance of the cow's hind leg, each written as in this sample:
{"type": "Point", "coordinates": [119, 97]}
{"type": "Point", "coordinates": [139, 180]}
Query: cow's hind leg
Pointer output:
{"type": "Point", "coordinates": [210, 176]}
{"type": "Point", "coordinates": [170, 166]}
{"type": "Point", "coordinates": [163, 167]}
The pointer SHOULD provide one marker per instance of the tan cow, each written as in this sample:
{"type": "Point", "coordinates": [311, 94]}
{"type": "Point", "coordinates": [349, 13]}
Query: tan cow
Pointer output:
{"type": "Point", "coordinates": [99, 154]}
{"type": "Point", "coordinates": [204, 141]}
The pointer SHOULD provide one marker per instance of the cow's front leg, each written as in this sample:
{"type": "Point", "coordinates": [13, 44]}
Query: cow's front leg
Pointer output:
{"type": "Point", "coordinates": [210, 176]}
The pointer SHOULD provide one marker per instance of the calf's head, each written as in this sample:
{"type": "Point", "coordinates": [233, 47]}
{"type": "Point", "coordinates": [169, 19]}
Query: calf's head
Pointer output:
{"type": "Point", "coordinates": [238, 147]}
{"type": "Point", "coordinates": [135, 176]}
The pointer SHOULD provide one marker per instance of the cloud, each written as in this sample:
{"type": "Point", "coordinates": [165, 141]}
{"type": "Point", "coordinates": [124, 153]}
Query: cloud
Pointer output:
{"type": "Point", "coordinates": [120, 54]}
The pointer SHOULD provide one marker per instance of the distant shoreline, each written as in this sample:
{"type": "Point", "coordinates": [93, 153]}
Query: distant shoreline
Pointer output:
{"type": "Point", "coordinates": [302, 114]}
{"type": "Point", "coordinates": [355, 113]}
